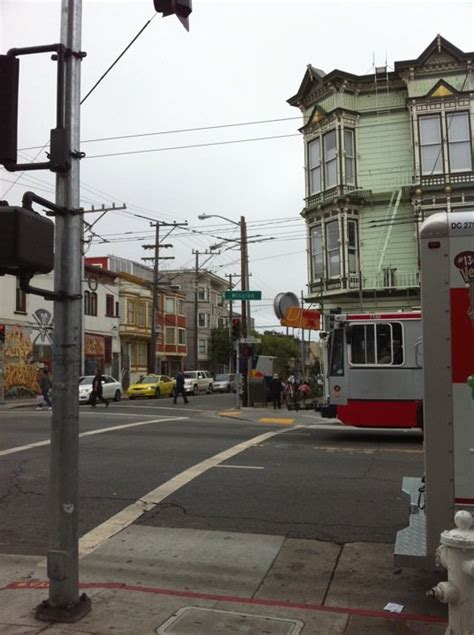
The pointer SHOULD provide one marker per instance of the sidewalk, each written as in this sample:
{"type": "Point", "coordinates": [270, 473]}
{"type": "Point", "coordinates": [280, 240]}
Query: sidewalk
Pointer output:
{"type": "Point", "coordinates": [179, 581]}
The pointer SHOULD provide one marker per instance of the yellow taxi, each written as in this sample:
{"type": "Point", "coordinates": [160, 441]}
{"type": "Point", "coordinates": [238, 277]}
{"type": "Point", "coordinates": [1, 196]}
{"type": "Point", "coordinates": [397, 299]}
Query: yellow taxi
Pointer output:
{"type": "Point", "coordinates": [152, 386]}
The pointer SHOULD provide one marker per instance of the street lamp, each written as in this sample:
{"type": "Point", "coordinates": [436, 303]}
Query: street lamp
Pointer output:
{"type": "Point", "coordinates": [244, 281]}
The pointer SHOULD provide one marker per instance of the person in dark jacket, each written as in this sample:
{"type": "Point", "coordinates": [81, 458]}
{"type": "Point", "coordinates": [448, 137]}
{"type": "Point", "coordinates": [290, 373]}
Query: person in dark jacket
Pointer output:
{"type": "Point", "coordinates": [276, 388]}
{"type": "Point", "coordinates": [179, 387]}
{"type": "Point", "coordinates": [45, 387]}
{"type": "Point", "coordinates": [96, 393]}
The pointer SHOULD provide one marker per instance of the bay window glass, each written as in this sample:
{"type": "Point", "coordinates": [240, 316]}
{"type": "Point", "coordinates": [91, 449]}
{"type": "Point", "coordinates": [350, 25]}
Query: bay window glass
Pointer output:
{"type": "Point", "coordinates": [317, 252]}
{"type": "Point", "coordinates": [169, 305]}
{"type": "Point", "coordinates": [431, 148]}
{"type": "Point", "coordinates": [170, 335]}
{"type": "Point", "coordinates": [314, 163]}
{"type": "Point", "coordinates": [332, 249]}
{"type": "Point", "coordinates": [330, 159]}
{"type": "Point", "coordinates": [459, 142]}
{"type": "Point", "coordinates": [352, 264]}
{"type": "Point", "coordinates": [349, 157]}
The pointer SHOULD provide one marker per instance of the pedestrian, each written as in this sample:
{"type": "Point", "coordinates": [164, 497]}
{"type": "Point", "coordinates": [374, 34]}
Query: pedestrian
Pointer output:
{"type": "Point", "coordinates": [45, 387]}
{"type": "Point", "coordinates": [96, 393]}
{"type": "Point", "coordinates": [276, 388]}
{"type": "Point", "coordinates": [179, 387]}
{"type": "Point", "coordinates": [304, 391]}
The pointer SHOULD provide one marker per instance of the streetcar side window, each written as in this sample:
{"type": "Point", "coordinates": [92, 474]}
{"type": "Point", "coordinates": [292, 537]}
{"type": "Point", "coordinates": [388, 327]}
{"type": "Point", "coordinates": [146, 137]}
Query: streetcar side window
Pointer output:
{"type": "Point", "coordinates": [336, 366]}
{"type": "Point", "coordinates": [378, 344]}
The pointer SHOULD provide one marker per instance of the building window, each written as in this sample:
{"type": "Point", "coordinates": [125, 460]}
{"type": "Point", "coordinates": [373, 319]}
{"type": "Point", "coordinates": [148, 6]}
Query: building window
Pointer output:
{"type": "Point", "coordinates": [330, 160]}
{"type": "Point", "coordinates": [170, 305]}
{"type": "Point", "coordinates": [317, 252]}
{"type": "Point", "coordinates": [203, 320]}
{"type": "Point", "coordinates": [182, 336]}
{"type": "Point", "coordinates": [333, 253]}
{"type": "Point", "coordinates": [131, 313]}
{"type": "Point", "coordinates": [90, 303]}
{"type": "Point", "coordinates": [117, 312]}
{"type": "Point", "coordinates": [377, 344]}
{"type": "Point", "coordinates": [109, 305]}
{"type": "Point", "coordinates": [221, 322]}
{"type": "Point", "coordinates": [142, 310]}
{"type": "Point", "coordinates": [20, 299]}
{"type": "Point", "coordinates": [181, 307]}
{"type": "Point", "coordinates": [349, 157]}
{"type": "Point", "coordinates": [389, 277]}
{"type": "Point", "coordinates": [202, 346]}
{"type": "Point", "coordinates": [431, 148]}
{"type": "Point", "coordinates": [170, 335]}
{"type": "Point", "coordinates": [314, 165]}
{"type": "Point", "coordinates": [352, 247]}
{"type": "Point", "coordinates": [139, 354]}
{"type": "Point", "coordinates": [459, 142]}
{"type": "Point", "coordinates": [203, 294]}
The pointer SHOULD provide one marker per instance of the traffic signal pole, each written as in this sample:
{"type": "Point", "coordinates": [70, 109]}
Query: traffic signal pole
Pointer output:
{"type": "Point", "coordinates": [64, 603]}
{"type": "Point", "coordinates": [244, 286]}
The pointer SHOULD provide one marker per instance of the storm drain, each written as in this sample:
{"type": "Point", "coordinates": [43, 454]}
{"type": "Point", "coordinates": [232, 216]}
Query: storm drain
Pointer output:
{"type": "Point", "coordinates": [194, 620]}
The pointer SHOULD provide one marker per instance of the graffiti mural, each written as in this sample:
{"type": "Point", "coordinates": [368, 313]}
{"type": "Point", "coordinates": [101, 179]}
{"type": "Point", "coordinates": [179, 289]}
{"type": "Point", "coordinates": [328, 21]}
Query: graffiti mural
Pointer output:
{"type": "Point", "coordinates": [26, 349]}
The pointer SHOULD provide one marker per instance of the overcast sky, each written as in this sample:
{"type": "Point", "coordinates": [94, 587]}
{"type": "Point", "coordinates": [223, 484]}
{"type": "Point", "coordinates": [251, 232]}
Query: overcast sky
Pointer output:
{"type": "Point", "coordinates": [240, 62]}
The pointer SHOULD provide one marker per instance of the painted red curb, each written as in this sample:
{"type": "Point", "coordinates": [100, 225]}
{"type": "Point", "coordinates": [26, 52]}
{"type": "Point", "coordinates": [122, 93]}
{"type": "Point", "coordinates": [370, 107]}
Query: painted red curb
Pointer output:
{"type": "Point", "coordinates": [239, 600]}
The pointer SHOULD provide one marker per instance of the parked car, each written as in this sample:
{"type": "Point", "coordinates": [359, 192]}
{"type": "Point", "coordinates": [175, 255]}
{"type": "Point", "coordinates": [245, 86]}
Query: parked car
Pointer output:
{"type": "Point", "coordinates": [224, 382]}
{"type": "Point", "coordinates": [196, 381]}
{"type": "Point", "coordinates": [152, 386]}
{"type": "Point", "coordinates": [111, 388]}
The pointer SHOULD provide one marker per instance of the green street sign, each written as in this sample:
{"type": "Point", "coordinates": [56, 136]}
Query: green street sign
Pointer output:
{"type": "Point", "coordinates": [243, 295]}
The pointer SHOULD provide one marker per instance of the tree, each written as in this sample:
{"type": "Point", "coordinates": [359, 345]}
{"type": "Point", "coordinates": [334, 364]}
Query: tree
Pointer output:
{"type": "Point", "coordinates": [219, 347]}
{"type": "Point", "coordinates": [283, 348]}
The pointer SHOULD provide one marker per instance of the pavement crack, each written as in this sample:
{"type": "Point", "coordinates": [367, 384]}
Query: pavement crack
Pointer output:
{"type": "Point", "coordinates": [333, 573]}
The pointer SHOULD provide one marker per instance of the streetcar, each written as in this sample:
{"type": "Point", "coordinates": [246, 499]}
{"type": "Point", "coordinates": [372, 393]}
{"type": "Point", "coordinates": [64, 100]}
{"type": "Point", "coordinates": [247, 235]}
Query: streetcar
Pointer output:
{"type": "Point", "coordinates": [375, 373]}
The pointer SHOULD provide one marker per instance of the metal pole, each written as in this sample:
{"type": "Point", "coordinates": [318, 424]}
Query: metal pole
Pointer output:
{"type": "Point", "coordinates": [2, 368]}
{"type": "Point", "coordinates": [243, 284]}
{"type": "Point", "coordinates": [196, 281]}
{"type": "Point", "coordinates": [303, 367]}
{"type": "Point", "coordinates": [231, 352]}
{"type": "Point", "coordinates": [63, 562]}
{"type": "Point", "coordinates": [154, 306]}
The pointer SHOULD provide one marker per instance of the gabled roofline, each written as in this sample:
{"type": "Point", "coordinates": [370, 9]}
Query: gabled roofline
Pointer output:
{"type": "Point", "coordinates": [439, 43]}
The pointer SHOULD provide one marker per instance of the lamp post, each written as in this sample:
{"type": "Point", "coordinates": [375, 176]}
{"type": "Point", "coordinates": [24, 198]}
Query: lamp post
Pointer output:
{"type": "Point", "coordinates": [244, 283]}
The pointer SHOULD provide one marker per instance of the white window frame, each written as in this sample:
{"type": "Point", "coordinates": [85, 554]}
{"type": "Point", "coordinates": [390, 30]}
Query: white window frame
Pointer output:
{"type": "Point", "coordinates": [314, 230]}
{"type": "Point", "coordinates": [333, 250]}
{"type": "Point", "coordinates": [203, 294]}
{"type": "Point", "coordinates": [349, 156]}
{"type": "Point", "coordinates": [450, 117]}
{"type": "Point", "coordinates": [202, 346]}
{"type": "Point", "coordinates": [437, 145]}
{"type": "Point", "coordinates": [203, 324]}
{"type": "Point", "coordinates": [170, 305]}
{"type": "Point", "coordinates": [315, 170]}
{"type": "Point", "coordinates": [182, 337]}
{"type": "Point", "coordinates": [352, 249]}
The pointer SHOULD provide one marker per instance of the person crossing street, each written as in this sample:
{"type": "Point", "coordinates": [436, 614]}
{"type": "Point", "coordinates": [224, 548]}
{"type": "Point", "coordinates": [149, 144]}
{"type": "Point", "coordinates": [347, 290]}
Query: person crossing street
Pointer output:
{"type": "Point", "coordinates": [179, 387]}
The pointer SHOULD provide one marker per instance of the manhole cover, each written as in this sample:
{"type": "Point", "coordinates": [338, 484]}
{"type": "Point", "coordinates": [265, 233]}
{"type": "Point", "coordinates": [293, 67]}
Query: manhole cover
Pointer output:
{"type": "Point", "coordinates": [194, 620]}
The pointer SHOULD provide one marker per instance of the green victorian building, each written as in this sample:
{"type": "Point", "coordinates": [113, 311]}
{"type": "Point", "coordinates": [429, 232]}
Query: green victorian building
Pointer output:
{"type": "Point", "coordinates": [382, 152]}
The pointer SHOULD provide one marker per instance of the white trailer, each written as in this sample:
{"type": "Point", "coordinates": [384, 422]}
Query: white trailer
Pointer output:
{"type": "Point", "coordinates": [447, 294]}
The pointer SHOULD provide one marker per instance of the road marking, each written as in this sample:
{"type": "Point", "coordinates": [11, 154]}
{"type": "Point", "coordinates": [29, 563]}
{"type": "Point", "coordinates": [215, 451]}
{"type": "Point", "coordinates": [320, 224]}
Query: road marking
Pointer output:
{"type": "Point", "coordinates": [334, 448]}
{"type": "Point", "coordinates": [230, 413]}
{"type": "Point", "coordinates": [94, 538]}
{"type": "Point", "coordinates": [169, 408]}
{"type": "Point", "coordinates": [39, 444]}
{"type": "Point", "coordinates": [242, 467]}
{"type": "Point", "coordinates": [282, 422]}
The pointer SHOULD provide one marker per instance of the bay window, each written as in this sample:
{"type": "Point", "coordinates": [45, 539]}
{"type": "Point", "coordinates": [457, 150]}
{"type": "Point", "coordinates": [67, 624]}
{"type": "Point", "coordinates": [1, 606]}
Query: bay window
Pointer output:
{"type": "Point", "coordinates": [431, 147]}
{"type": "Point", "coordinates": [324, 171]}
{"type": "Point", "coordinates": [333, 252]}
{"type": "Point", "coordinates": [459, 142]}
{"type": "Point", "coordinates": [314, 162]}
{"type": "Point", "coordinates": [330, 159]}
{"type": "Point", "coordinates": [352, 247]}
{"type": "Point", "coordinates": [349, 157]}
{"type": "Point", "coordinates": [334, 248]}
{"type": "Point", "coordinates": [317, 252]}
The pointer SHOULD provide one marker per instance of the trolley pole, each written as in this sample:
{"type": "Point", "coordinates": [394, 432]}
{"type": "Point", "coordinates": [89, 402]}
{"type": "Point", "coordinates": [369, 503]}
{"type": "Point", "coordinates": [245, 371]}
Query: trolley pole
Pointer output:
{"type": "Point", "coordinates": [64, 603]}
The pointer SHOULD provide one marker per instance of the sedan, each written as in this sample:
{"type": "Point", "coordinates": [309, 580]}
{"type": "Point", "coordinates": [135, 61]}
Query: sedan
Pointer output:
{"type": "Point", "coordinates": [224, 383]}
{"type": "Point", "coordinates": [152, 386]}
{"type": "Point", "coordinates": [111, 388]}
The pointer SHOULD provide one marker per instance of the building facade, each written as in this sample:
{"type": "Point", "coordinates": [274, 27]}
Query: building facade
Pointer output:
{"type": "Point", "coordinates": [205, 309]}
{"type": "Point", "coordinates": [382, 152]}
{"type": "Point", "coordinates": [135, 323]}
{"type": "Point", "coordinates": [28, 325]}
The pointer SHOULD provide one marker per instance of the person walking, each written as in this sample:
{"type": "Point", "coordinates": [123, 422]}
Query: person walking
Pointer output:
{"type": "Point", "coordinates": [97, 392]}
{"type": "Point", "coordinates": [45, 387]}
{"type": "Point", "coordinates": [179, 387]}
{"type": "Point", "coordinates": [276, 388]}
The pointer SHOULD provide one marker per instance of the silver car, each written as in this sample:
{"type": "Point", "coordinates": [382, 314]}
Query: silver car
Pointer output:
{"type": "Point", "coordinates": [111, 388]}
{"type": "Point", "coordinates": [224, 382]}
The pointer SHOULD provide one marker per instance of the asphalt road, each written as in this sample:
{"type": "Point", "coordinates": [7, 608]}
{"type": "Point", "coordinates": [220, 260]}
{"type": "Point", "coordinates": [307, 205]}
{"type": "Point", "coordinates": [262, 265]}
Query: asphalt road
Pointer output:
{"type": "Point", "coordinates": [314, 482]}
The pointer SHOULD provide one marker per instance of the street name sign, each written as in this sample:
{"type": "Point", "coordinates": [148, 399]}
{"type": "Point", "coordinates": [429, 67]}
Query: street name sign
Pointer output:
{"type": "Point", "coordinates": [243, 295]}
{"type": "Point", "coordinates": [250, 340]}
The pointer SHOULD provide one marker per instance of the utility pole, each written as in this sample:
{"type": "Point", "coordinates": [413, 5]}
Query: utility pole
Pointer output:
{"type": "Point", "coordinates": [196, 302]}
{"type": "Point", "coordinates": [63, 603]}
{"type": "Point", "coordinates": [152, 359]}
{"type": "Point", "coordinates": [244, 286]}
{"type": "Point", "coordinates": [303, 367]}
{"type": "Point", "coordinates": [232, 365]}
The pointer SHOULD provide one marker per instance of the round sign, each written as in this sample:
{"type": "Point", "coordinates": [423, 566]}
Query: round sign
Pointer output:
{"type": "Point", "coordinates": [283, 302]}
{"type": "Point", "coordinates": [92, 283]}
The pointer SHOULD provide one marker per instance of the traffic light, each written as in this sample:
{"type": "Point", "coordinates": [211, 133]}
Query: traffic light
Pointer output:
{"type": "Point", "coordinates": [26, 241]}
{"type": "Point", "coordinates": [235, 328]}
{"type": "Point", "coordinates": [181, 8]}
{"type": "Point", "coordinates": [2, 333]}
